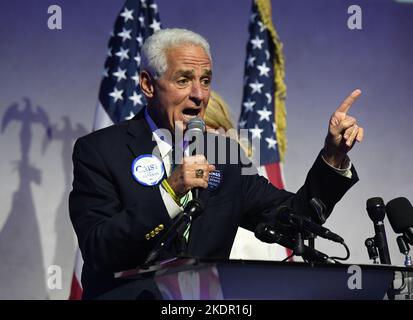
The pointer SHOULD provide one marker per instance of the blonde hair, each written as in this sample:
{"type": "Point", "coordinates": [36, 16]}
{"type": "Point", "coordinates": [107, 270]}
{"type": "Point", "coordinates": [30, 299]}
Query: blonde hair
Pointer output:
{"type": "Point", "coordinates": [217, 117]}
{"type": "Point", "coordinates": [217, 113]}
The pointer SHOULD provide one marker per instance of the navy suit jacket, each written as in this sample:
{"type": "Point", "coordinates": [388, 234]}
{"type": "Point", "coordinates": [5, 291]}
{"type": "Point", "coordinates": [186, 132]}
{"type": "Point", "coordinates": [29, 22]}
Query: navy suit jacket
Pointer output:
{"type": "Point", "coordinates": [112, 213]}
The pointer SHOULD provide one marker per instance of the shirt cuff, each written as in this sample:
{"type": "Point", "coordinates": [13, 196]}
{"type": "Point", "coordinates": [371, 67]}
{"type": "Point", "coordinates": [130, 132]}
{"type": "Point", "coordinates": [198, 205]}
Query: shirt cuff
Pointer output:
{"type": "Point", "coordinates": [170, 204]}
{"type": "Point", "coordinates": [346, 172]}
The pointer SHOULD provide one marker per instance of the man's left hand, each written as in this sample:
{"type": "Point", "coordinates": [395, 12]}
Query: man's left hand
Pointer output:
{"type": "Point", "coordinates": [343, 132]}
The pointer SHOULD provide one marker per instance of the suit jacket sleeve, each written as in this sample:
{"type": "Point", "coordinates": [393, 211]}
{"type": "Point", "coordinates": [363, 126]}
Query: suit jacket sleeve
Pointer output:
{"type": "Point", "coordinates": [261, 198]}
{"type": "Point", "coordinates": [111, 237]}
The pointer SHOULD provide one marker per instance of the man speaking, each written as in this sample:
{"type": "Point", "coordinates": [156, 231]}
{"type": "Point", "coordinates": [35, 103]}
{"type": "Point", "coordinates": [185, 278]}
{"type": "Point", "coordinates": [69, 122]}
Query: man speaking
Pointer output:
{"type": "Point", "coordinates": [130, 183]}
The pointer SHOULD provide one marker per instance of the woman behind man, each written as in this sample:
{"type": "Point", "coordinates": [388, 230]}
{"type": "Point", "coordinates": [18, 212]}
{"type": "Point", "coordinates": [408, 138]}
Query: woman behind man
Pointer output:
{"type": "Point", "coordinates": [246, 246]}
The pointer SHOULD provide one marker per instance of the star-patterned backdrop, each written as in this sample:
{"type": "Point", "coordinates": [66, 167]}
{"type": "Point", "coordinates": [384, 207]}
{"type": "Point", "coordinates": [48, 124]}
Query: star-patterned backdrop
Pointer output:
{"type": "Point", "coordinates": [120, 94]}
{"type": "Point", "coordinates": [257, 112]}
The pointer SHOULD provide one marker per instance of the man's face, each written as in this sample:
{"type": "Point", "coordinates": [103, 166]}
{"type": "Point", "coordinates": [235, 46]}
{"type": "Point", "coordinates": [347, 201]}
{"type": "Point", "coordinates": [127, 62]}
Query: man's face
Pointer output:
{"type": "Point", "coordinates": [183, 91]}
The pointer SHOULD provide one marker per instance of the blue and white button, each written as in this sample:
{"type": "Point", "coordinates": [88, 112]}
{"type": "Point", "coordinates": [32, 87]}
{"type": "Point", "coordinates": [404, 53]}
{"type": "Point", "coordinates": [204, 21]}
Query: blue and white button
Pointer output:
{"type": "Point", "coordinates": [214, 179]}
{"type": "Point", "coordinates": [148, 170]}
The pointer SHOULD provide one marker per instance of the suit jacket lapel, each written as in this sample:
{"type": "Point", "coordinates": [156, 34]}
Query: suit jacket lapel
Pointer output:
{"type": "Point", "coordinates": [140, 141]}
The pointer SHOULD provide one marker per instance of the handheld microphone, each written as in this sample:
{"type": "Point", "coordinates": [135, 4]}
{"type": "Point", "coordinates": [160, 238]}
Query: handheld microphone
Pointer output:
{"type": "Point", "coordinates": [191, 211]}
{"type": "Point", "coordinates": [287, 217]}
{"type": "Point", "coordinates": [194, 133]}
{"type": "Point", "coordinates": [377, 211]}
{"type": "Point", "coordinates": [270, 234]}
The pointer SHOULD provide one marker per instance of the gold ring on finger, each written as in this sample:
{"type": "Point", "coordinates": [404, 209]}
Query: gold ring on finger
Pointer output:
{"type": "Point", "coordinates": [199, 173]}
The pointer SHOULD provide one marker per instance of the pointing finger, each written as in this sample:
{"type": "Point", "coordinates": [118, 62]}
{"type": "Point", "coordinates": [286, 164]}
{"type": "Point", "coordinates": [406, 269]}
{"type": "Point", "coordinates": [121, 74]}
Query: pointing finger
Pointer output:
{"type": "Point", "coordinates": [346, 104]}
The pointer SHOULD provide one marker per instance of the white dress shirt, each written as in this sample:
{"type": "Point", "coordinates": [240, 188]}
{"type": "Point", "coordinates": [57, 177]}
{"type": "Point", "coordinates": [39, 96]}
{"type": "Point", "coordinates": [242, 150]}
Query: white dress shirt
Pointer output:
{"type": "Point", "coordinates": [165, 149]}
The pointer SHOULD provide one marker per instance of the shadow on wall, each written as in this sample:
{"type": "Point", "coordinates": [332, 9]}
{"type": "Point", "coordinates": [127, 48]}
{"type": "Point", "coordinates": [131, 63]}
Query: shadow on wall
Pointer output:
{"type": "Point", "coordinates": [22, 266]}
{"type": "Point", "coordinates": [65, 249]}
{"type": "Point", "coordinates": [22, 274]}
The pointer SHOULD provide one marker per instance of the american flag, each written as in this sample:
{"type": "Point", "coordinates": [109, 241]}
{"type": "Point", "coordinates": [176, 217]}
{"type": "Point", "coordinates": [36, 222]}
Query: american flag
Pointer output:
{"type": "Point", "coordinates": [120, 96]}
{"type": "Point", "coordinates": [263, 109]}
{"type": "Point", "coordinates": [258, 112]}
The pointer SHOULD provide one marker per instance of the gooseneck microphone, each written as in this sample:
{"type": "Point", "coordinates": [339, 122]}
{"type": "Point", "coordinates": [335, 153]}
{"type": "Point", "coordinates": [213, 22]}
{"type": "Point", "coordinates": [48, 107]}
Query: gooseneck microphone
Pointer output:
{"type": "Point", "coordinates": [270, 234]}
{"type": "Point", "coordinates": [301, 223]}
{"type": "Point", "coordinates": [377, 211]}
{"type": "Point", "coordinates": [194, 135]}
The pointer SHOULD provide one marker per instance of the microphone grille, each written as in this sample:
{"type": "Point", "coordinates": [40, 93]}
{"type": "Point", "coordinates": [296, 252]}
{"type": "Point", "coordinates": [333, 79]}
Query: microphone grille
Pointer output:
{"type": "Point", "coordinates": [376, 209]}
{"type": "Point", "coordinates": [400, 214]}
{"type": "Point", "coordinates": [196, 124]}
{"type": "Point", "coordinates": [374, 202]}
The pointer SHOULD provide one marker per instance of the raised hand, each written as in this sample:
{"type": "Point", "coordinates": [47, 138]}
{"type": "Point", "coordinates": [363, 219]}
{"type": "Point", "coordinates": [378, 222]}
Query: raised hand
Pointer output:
{"type": "Point", "coordinates": [343, 132]}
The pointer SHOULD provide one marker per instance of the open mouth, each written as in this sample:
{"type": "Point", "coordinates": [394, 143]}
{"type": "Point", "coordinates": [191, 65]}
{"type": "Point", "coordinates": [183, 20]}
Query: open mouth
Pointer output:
{"type": "Point", "coordinates": [189, 113]}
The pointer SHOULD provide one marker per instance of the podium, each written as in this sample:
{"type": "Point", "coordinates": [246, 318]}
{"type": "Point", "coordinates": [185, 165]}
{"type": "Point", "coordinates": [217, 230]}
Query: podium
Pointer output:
{"type": "Point", "coordinates": [215, 279]}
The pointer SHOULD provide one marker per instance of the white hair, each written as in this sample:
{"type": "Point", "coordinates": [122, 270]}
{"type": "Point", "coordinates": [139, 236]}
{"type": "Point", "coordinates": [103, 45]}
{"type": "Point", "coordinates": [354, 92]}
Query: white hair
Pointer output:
{"type": "Point", "coordinates": [153, 52]}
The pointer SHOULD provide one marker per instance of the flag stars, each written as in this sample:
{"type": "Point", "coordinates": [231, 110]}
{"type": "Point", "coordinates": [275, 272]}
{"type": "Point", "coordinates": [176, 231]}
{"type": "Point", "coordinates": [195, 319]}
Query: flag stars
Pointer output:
{"type": "Point", "coordinates": [271, 143]}
{"type": "Point", "coordinates": [141, 19]}
{"type": "Point", "coordinates": [263, 69]}
{"type": "Point", "coordinates": [116, 94]}
{"type": "Point", "coordinates": [154, 7]}
{"type": "Point", "coordinates": [264, 114]}
{"type": "Point", "coordinates": [262, 26]}
{"type": "Point", "coordinates": [250, 61]}
{"type": "Point", "coordinates": [136, 78]}
{"type": "Point", "coordinates": [257, 43]}
{"type": "Point", "coordinates": [155, 25]}
{"type": "Point", "coordinates": [248, 105]}
{"type": "Point", "coordinates": [130, 116]}
{"type": "Point", "coordinates": [136, 98]}
{"type": "Point", "coordinates": [256, 132]}
{"type": "Point", "coordinates": [269, 98]}
{"type": "Point", "coordinates": [123, 54]}
{"type": "Point", "coordinates": [258, 112]}
{"type": "Point", "coordinates": [127, 15]}
{"type": "Point", "coordinates": [256, 86]}
{"type": "Point", "coordinates": [125, 34]}
{"type": "Point", "coordinates": [120, 74]}
{"type": "Point", "coordinates": [252, 17]}
{"type": "Point", "coordinates": [242, 123]}
{"type": "Point", "coordinates": [137, 59]}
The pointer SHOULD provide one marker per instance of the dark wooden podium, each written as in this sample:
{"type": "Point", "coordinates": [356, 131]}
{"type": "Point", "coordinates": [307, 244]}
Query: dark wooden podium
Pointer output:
{"type": "Point", "coordinates": [207, 279]}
